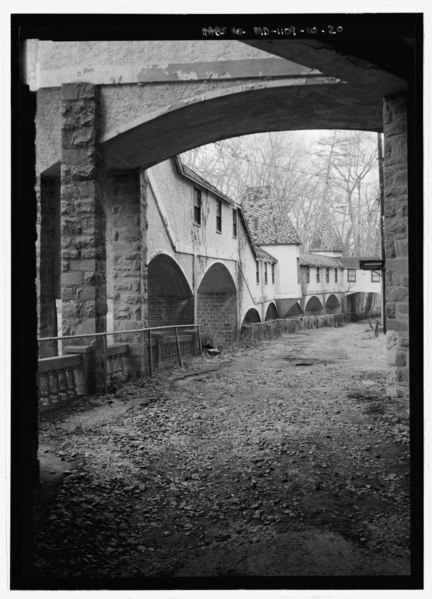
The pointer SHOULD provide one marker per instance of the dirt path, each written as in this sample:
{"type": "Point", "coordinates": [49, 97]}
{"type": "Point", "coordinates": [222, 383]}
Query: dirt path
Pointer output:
{"type": "Point", "coordinates": [279, 460]}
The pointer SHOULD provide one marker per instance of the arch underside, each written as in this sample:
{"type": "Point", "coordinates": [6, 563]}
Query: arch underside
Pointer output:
{"type": "Point", "coordinates": [251, 315]}
{"type": "Point", "coordinates": [253, 108]}
{"type": "Point", "coordinates": [217, 306]}
{"type": "Point", "coordinates": [271, 313]}
{"type": "Point", "coordinates": [313, 307]}
{"type": "Point", "coordinates": [170, 298]}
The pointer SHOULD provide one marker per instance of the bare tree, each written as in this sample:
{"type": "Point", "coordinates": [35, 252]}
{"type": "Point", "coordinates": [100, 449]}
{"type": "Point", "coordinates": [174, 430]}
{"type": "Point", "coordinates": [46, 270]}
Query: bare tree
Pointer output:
{"type": "Point", "coordinates": [335, 180]}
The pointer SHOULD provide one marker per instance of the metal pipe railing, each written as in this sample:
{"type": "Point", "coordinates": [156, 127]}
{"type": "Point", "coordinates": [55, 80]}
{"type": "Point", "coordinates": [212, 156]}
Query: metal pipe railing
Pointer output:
{"type": "Point", "coordinates": [143, 330]}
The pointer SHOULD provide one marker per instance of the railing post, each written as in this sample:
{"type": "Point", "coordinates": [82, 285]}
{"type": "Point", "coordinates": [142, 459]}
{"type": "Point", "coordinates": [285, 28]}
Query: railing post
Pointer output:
{"type": "Point", "coordinates": [199, 339]}
{"type": "Point", "coordinates": [178, 347]}
{"type": "Point", "coordinates": [150, 352]}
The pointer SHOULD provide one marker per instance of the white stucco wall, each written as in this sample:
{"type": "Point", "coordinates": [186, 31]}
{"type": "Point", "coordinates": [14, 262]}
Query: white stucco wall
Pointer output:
{"type": "Point", "coordinates": [287, 285]}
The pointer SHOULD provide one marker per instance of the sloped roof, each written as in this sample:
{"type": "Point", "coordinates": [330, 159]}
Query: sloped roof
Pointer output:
{"type": "Point", "coordinates": [318, 260]}
{"type": "Point", "coordinates": [326, 238]}
{"type": "Point", "coordinates": [354, 261]}
{"type": "Point", "coordinates": [265, 255]}
{"type": "Point", "coordinates": [268, 221]}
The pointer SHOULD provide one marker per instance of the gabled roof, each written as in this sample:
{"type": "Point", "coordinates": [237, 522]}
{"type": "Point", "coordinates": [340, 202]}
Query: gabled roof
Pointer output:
{"type": "Point", "coordinates": [188, 173]}
{"type": "Point", "coordinates": [267, 220]}
{"type": "Point", "coordinates": [191, 175]}
{"type": "Point", "coordinates": [265, 255]}
{"type": "Point", "coordinates": [326, 237]}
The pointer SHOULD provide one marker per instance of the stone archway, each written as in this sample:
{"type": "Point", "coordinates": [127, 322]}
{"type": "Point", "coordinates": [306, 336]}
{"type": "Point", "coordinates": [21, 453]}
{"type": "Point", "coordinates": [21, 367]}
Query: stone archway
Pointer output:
{"type": "Point", "coordinates": [332, 305]}
{"type": "Point", "coordinates": [217, 306]}
{"type": "Point", "coordinates": [271, 313]}
{"type": "Point", "coordinates": [170, 298]}
{"type": "Point", "coordinates": [251, 316]}
{"type": "Point", "coordinates": [313, 307]}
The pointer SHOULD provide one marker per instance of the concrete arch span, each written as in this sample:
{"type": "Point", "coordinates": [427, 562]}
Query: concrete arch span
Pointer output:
{"type": "Point", "coordinates": [313, 307]}
{"type": "Point", "coordinates": [217, 306]}
{"type": "Point", "coordinates": [170, 298]}
{"type": "Point", "coordinates": [252, 108]}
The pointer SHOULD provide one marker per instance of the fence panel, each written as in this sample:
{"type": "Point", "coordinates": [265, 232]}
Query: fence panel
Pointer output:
{"type": "Point", "coordinates": [73, 367]}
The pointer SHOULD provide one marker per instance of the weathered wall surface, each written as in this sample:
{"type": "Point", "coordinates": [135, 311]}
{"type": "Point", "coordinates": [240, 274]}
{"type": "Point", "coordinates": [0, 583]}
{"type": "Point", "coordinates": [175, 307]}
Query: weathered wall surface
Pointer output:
{"type": "Point", "coordinates": [217, 312]}
{"type": "Point", "coordinates": [396, 242]}
{"type": "Point", "coordinates": [125, 247]}
{"type": "Point", "coordinates": [83, 278]}
{"type": "Point", "coordinates": [285, 270]}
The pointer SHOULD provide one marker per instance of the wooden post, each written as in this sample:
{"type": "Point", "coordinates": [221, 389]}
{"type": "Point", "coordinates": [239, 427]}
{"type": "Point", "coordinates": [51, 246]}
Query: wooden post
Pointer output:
{"type": "Point", "coordinates": [150, 353]}
{"type": "Point", "coordinates": [199, 339]}
{"type": "Point", "coordinates": [178, 347]}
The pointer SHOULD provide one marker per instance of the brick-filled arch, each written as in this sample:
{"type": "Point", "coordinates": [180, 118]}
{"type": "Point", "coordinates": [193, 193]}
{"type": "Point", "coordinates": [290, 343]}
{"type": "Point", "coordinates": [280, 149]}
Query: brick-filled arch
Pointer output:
{"type": "Point", "coordinates": [170, 298]}
{"type": "Point", "coordinates": [217, 306]}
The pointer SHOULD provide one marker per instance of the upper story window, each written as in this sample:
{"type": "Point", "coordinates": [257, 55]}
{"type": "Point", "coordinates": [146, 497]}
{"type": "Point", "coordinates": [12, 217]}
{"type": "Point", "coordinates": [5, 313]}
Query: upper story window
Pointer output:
{"type": "Point", "coordinates": [197, 206]}
{"type": "Point", "coordinates": [257, 272]}
{"type": "Point", "coordinates": [219, 216]}
{"type": "Point", "coordinates": [306, 274]}
{"type": "Point", "coordinates": [375, 276]}
{"type": "Point", "coordinates": [317, 274]}
{"type": "Point", "coordinates": [265, 273]}
{"type": "Point", "coordinates": [351, 276]}
{"type": "Point", "coordinates": [336, 275]}
{"type": "Point", "coordinates": [273, 273]}
{"type": "Point", "coordinates": [234, 222]}
{"type": "Point", "coordinates": [327, 275]}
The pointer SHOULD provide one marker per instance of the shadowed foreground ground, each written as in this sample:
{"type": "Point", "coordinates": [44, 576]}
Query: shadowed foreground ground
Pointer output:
{"type": "Point", "coordinates": [284, 459]}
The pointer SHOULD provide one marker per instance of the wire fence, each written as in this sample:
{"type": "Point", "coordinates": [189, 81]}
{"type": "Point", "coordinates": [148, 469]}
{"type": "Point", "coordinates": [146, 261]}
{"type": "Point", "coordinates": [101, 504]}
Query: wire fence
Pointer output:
{"type": "Point", "coordinates": [81, 365]}
{"type": "Point", "coordinates": [76, 366]}
{"type": "Point", "coordinates": [259, 331]}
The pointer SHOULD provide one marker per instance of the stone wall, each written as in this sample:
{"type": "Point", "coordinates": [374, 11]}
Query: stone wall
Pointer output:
{"type": "Point", "coordinates": [217, 313]}
{"type": "Point", "coordinates": [83, 278]}
{"type": "Point", "coordinates": [124, 249]}
{"type": "Point", "coordinates": [396, 242]}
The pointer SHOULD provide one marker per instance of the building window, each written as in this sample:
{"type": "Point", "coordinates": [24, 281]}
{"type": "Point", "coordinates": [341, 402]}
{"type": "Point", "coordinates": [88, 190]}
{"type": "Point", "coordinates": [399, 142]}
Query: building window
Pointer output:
{"type": "Point", "coordinates": [197, 206]}
{"type": "Point", "coordinates": [265, 273]}
{"type": "Point", "coordinates": [336, 275]}
{"type": "Point", "coordinates": [375, 276]}
{"type": "Point", "coordinates": [219, 217]}
{"type": "Point", "coordinates": [327, 275]}
{"type": "Point", "coordinates": [234, 223]}
{"type": "Point", "coordinates": [257, 272]}
{"type": "Point", "coordinates": [351, 278]}
{"type": "Point", "coordinates": [317, 274]}
{"type": "Point", "coordinates": [307, 274]}
{"type": "Point", "coordinates": [273, 274]}
{"type": "Point", "coordinates": [298, 270]}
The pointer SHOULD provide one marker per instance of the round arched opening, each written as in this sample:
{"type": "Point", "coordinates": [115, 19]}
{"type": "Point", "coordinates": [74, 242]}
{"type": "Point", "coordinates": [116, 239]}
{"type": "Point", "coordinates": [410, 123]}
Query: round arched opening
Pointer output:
{"type": "Point", "coordinates": [251, 316]}
{"type": "Point", "coordinates": [313, 307]}
{"type": "Point", "coordinates": [332, 304]}
{"type": "Point", "coordinates": [170, 298]}
{"type": "Point", "coordinates": [295, 310]}
{"type": "Point", "coordinates": [217, 306]}
{"type": "Point", "coordinates": [271, 313]}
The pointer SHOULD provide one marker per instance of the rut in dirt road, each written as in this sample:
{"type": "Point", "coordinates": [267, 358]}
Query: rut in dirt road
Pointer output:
{"type": "Point", "coordinates": [282, 459]}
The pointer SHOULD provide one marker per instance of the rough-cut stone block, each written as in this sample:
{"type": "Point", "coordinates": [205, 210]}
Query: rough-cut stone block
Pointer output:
{"type": "Point", "coordinates": [72, 278]}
